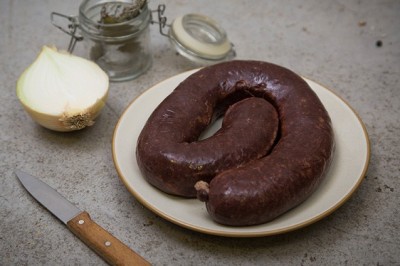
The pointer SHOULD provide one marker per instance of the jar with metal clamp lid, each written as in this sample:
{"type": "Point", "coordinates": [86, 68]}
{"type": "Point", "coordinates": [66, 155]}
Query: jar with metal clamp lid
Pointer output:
{"type": "Point", "coordinates": [197, 37]}
{"type": "Point", "coordinates": [117, 36]}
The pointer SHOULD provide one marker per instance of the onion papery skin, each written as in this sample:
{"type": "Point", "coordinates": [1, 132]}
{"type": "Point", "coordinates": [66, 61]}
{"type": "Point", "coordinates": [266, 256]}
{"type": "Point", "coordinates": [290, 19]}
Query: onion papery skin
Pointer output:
{"type": "Point", "coordinates": [67, 122]}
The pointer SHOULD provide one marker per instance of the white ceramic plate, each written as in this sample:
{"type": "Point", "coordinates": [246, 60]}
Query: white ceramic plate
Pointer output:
{"type": "Point", "coordinates": [348, 168]}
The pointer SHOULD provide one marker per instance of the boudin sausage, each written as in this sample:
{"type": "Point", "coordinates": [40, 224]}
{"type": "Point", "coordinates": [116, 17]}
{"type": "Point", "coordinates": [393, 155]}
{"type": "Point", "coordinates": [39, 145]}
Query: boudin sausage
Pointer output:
{"type": "Point", "coordinates": [268, 182]}
{"type": "Point", "coordinates": [173, 161]}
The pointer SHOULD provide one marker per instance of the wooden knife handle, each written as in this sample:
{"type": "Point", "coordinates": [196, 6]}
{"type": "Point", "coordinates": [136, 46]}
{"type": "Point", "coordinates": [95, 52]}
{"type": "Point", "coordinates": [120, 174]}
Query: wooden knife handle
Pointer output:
{"type": "Point", "coordinates": [103, 243]}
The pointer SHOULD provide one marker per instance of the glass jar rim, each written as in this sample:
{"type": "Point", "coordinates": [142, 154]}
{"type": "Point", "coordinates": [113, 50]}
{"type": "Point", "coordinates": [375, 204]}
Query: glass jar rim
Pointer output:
{"type": "Point", "coordinates": [124, 29]}
{"type": "Point", "coordinates": [200, 36]}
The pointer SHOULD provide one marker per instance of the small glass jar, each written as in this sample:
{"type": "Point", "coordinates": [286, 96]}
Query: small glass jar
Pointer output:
{"type": "Point", "coordinates": [121, 49]}
{"type": "Point", "coordinates": [119, 45]}
{"type": "Point", "coordinates": [200, 39]}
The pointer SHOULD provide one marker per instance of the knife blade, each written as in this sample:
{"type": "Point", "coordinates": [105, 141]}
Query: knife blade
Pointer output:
{"type": "Point", "coordinates": [79, 222]}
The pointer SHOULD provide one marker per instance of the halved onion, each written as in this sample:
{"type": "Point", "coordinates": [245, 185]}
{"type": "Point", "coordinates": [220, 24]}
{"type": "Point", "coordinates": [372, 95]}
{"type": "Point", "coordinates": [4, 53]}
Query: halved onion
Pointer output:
{"type": "Point", "coordinates": [61, 91]}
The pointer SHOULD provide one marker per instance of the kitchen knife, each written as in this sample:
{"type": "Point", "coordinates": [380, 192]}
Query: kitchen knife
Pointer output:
{"type": "Point", "coordinates": [79, 222]}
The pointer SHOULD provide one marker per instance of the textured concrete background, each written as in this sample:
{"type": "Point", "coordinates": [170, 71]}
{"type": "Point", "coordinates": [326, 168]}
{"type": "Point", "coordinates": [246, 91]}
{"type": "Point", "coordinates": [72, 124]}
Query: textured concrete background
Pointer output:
{"type": "Point", "coordinates": [332, 42]}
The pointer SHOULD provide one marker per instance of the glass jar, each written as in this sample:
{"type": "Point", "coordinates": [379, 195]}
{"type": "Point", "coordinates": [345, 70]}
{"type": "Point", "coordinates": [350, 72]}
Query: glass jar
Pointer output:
{"type": "Point", "coordinates": [118, 44]}
{"type": "Point", "coordinates": [121, 48]}
{"type": "Point", "coordinates": [200, 39]}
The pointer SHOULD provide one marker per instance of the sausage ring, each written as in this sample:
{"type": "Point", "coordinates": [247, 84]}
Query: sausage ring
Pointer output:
{"type": "Point", "coordinates": [246, 173]}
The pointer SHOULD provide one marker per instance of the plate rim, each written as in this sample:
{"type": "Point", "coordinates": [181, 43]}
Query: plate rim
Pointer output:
{"type": "Point", "coordinates": [287, 229]}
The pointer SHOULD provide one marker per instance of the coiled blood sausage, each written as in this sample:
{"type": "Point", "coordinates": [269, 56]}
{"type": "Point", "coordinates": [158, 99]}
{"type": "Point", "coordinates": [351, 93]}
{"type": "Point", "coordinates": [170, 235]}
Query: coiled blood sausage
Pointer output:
{"type": "Point", "coordinates": [271, 153]}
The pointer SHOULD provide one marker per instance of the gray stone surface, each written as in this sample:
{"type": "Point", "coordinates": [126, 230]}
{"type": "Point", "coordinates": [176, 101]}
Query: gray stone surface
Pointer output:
{"type": "Point", "coordinates": [332, 42]}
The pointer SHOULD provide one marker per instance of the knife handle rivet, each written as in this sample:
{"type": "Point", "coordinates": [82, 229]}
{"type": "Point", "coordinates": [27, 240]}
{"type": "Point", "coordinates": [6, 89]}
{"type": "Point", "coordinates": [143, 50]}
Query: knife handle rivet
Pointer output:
{"type": "Point", "coordinates": [81, 222]}
{"type": "Point", "coordinates": [107, 243]}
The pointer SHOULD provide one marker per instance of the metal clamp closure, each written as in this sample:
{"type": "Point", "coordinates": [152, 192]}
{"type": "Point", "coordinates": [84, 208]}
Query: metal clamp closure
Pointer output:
{"type": "Point", "coordinates": [162, 20]}
{"type": "Point", "coordinates": [71, 31]}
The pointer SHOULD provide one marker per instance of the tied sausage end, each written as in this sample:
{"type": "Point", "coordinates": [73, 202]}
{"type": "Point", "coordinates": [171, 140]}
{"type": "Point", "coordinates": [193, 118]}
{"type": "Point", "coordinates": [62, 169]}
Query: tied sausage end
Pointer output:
{"type": "Point", "coordinates": [202, 188]}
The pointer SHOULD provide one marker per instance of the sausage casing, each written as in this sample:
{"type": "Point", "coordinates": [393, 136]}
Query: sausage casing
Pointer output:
{"type": "Point", "coordinates": [268, 182]}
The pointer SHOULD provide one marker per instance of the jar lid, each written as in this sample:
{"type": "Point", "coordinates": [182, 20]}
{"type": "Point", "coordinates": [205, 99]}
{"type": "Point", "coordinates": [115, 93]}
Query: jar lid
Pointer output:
{"type": "Point", "coordinates": [200, 38]}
